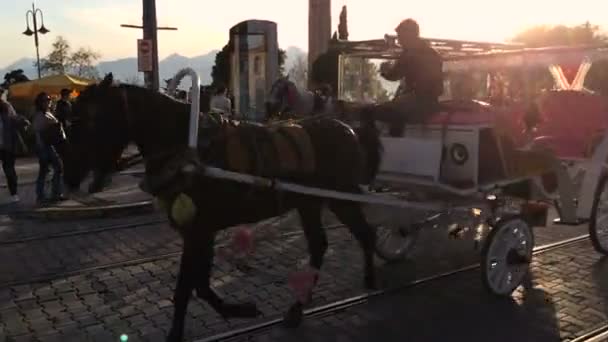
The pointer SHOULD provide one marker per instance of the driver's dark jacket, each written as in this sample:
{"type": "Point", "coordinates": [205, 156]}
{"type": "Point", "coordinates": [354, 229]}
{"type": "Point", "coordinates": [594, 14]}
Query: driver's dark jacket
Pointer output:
{"type": "Point", "coordinates": [422, 69]}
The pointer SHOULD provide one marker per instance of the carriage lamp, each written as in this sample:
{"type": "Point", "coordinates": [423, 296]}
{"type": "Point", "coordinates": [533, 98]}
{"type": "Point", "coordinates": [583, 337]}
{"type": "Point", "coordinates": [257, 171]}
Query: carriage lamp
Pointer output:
{"type": "Point", "coordinates": [476, 212]}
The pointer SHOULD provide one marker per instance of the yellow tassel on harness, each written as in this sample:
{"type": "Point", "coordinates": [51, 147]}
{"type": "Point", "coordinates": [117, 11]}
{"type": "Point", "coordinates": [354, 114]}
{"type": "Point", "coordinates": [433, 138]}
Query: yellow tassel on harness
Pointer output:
{"type": "Point", "coordinates": [183, 209]}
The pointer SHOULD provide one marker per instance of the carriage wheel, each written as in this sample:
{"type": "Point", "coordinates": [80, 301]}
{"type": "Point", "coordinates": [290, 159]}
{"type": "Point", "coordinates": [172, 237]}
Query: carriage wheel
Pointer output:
{"type": "Point", "coordinates": [506, 256]}
{"type": "Point", "coordinates": [396, 243]}
{"type": "Point", "coordinates": [598, 224]}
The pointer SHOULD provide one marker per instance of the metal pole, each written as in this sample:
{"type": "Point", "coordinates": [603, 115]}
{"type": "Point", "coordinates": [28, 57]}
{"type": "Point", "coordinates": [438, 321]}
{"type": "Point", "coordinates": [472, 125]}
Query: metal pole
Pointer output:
{"type": "Point", "coordinates": [195, 93]}
{"type": "Point", "coordinates": [36, 38]}
{"type": "Point", "coordinates": [150, 32]}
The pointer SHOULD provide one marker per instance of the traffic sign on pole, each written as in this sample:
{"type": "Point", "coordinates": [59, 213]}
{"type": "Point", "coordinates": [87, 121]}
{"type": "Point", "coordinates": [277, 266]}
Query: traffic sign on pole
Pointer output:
{"type": "Point", "coordinates": [144, 55]}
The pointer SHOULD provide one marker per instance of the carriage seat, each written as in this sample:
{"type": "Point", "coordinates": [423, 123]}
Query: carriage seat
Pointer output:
{"type": "Point", "coordinates": [461, 112]}
{"type": "Point", "coordinates": [464, 144]}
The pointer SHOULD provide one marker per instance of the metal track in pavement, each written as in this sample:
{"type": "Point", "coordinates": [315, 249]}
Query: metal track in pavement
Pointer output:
{"type": "Point", "coordinates": [82, 232]}
{"type": "Point", "coordinates": [599, 334]}
{"type": "Point", "coordinates": [341, 305]}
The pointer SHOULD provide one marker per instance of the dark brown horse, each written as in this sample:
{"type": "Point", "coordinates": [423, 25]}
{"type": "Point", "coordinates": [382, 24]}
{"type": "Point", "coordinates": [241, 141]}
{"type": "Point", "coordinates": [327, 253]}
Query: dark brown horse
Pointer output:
{"type": "Point", "coordinates": [337, 158]}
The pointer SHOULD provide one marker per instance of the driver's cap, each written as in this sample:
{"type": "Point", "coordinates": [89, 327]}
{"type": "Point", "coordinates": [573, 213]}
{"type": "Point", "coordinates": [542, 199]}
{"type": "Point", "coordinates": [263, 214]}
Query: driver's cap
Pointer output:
{"type": "Point", "coordinates": [408, 25]}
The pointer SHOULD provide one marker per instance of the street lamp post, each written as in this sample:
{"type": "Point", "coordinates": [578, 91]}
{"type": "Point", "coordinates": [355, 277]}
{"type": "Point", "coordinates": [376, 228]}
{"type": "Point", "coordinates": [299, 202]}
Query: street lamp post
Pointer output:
{"type": "Point", "coordinates": [29, 32]}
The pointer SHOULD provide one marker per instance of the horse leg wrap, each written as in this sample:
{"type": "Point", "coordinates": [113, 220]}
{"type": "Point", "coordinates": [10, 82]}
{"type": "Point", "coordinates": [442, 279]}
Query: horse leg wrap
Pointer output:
{"type": "Point", "coordinates": [303, 282]}
{"type": "Point", "coordinates": [241, 244]}
{"type": "Point", "coordinates": [242, 241]}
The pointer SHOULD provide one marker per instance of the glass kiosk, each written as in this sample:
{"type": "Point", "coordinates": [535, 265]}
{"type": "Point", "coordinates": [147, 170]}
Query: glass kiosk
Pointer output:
{"type": "Point", "coordinates": [254, 66]}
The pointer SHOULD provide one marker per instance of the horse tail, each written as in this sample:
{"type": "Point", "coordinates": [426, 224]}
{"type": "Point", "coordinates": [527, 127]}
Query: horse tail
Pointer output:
{"type": "Point", "coordinates": [369, 139]}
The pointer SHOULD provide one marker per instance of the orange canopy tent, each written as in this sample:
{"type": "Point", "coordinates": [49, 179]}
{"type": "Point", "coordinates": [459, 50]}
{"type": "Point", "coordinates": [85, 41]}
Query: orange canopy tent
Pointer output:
{"type": "Point", "coordinates": [49, 84]}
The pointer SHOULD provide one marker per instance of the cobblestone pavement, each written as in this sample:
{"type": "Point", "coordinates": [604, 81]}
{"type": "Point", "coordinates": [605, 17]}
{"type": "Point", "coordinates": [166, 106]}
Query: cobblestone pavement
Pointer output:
{"type": "Point", "coordinates": [42, 258]}
{"type": "Point", "coordinates": [99, 305]}
{"type": "Point", "coordinates": [568, 296]}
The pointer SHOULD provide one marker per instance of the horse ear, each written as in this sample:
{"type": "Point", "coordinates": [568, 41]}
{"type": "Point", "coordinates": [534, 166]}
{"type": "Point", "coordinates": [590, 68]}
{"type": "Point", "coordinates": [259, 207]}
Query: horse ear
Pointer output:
{"type": "Point", "coordinates": [107, 81]}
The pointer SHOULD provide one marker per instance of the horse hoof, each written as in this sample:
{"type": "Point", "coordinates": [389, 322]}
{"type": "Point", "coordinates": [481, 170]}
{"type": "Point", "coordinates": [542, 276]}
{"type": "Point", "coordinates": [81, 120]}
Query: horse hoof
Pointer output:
{"type": "Point", "coordinates": [244, 310]}
{"type": "Point", "coordinates": [174, 337]}
{"type": "Point", "coordinates": [293, 317]}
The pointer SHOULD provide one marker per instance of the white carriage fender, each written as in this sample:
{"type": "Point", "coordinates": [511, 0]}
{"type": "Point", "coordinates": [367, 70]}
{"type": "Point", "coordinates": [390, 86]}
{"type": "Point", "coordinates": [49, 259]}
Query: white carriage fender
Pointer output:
{"type": "Point", "coordinates": [592, 178]}
{"type": "Point", "coordinates": [195, 94]}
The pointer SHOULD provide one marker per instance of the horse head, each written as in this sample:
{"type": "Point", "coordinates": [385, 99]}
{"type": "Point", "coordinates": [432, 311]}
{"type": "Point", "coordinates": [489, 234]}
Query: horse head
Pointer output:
{"type": "Point", "coordinates": [98, 133]}
{"type": "Point", "coordinates": [283, 96]}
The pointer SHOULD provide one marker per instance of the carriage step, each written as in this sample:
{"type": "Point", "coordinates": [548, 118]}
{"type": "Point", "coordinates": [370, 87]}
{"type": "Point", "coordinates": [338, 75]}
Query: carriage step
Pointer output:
{"type": "Point", "coordinates": [558, 221]}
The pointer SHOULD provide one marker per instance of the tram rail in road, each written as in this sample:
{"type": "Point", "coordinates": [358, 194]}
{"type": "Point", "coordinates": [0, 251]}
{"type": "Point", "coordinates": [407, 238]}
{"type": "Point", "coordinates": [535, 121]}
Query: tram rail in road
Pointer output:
{"type": "Point", "coordinates": [344, 304]}
{"type": "Point", "coordinates": [77, 232]}
{"type": "Point", "coordinates": [599, 334]}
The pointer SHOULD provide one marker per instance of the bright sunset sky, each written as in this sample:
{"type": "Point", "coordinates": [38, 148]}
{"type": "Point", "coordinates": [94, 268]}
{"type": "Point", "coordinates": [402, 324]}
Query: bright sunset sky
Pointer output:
{"type": "Point", "coordinates": [203, 25]}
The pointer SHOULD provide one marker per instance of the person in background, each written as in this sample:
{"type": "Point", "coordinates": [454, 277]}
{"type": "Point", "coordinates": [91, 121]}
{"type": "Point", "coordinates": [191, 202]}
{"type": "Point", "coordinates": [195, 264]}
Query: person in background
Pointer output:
{"type": "Point", "coordinates": [49, 133]}
{"type": "Point", "coordinates": [10, 124]}
{"type": "Point", "coordinates": [220, 103]}
{"type": "Point", "coordinates": [63, 108]}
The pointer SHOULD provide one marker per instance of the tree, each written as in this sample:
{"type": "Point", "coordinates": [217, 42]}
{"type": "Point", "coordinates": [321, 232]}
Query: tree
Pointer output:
{"type": "Point", "coordinates": [82, 63]}
{"type": "Point", "coordinates": [597, 78]}
{"type": "Point", "coordinates": [362, 81]}
{"type": "Point", "coordinates": [543, 35]}
{"type": "Point", "coordinates": [58, 61]}
{"type": "Point", "coordinates": [298, 73]}
{"type": "Point", "coordinates": [325, 70]}
{"type": "Point", "coordinates": [281, 60]}
{"type": "Point", "coordinates": [343, 25]}
{"type": "Point", "coordinates": [61, 60]}
{"type": "Point", "coordinates": [12, 77]}
{"type": "Point", "coordinates": [221, 69]}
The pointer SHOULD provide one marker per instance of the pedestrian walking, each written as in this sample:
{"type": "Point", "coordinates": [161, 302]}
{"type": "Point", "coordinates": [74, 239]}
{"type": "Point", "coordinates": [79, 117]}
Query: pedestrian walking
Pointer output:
{"type": "Point", "coordinates": [11, 143]}
{"type": "Point", "coordinates": [49, 134]}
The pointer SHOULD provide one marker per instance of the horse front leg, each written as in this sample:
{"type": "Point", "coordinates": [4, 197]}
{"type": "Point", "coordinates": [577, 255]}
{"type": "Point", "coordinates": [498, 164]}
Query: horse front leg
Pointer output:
{"type": "Point", "coordinates": [186, 280]}
{"type": "Point", "coordinates": [305, 281]}
{"type": "Point", "coordinates": [205, 292]}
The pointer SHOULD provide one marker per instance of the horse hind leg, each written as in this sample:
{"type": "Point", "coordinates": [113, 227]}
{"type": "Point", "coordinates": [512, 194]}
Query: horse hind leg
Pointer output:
{"type": "Point", "coordinates": [310, 216]}
{"type": "Point", "coordinates": [351, 214]}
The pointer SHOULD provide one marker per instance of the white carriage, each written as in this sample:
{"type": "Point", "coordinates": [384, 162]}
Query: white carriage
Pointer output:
{"type": "Point", "coordinates": [468, 164]}
{"type": "Point", "coordinates": [481, 154]}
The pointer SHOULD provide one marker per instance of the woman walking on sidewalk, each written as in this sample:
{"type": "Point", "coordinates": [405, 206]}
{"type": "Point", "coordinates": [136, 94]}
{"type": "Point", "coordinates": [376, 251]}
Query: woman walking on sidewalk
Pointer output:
{"type": "Point", "coordinates": [10, 142]}
{"type": "Point", "coordinates": [49, 134]}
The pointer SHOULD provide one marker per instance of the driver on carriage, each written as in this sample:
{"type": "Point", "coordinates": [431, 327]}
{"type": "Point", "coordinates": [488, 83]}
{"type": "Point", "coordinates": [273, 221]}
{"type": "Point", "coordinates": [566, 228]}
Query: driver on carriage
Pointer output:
{"type": "Point", "coordinates": [420, 68]}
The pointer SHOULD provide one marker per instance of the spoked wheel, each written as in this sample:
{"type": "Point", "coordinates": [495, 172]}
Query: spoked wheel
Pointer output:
{"type": "Point", "coordinates": [396, 243]}
{"type": "Point", "coordinates": [598, 225]}
{"type": "Point", "coordinates": [506, 256]}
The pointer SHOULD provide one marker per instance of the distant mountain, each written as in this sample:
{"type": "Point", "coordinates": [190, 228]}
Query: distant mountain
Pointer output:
{"type": "Point", "coordinates": [25, 64]}
{"type": "Point", "coordinates": [125, 69]}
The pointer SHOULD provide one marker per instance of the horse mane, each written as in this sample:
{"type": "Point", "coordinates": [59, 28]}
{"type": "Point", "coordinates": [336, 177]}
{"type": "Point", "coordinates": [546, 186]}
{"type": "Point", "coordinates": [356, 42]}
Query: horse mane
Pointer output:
{"type": "Point", "coordinates": [148, 91]}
